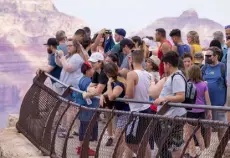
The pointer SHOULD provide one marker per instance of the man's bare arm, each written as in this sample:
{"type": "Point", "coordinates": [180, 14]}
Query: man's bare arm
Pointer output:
{"type": "Point", "coordinates": [165, 47]}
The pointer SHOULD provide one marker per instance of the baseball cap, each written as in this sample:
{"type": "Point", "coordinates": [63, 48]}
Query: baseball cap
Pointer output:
{"type": "Point", "coordinates": [95, 57]}
{"type": "Point", "coordinates": [121, 32]}
{"type": "Point", "coordinates": [85, 67]}
{"type": "Point", "coordinates": [155, 60]}
{"type": "Point", "coordinates": [51, 42]}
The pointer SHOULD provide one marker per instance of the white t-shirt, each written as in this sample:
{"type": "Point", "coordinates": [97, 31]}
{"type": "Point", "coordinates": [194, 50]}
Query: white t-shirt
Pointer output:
{"type": "Point", "coordinates": [170, 89]}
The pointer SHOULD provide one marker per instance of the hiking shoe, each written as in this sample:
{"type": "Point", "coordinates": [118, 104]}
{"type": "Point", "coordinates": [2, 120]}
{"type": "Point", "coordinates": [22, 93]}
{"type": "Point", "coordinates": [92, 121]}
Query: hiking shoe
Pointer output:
{"type": "Point", "coordinates": [64, 135]}
{"type": "Point", "coordinates": [109, 142]}
{"type": "Point", "coordinates": [90, 151]}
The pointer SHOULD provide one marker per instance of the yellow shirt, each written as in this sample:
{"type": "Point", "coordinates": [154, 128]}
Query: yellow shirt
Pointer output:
{"type": "Point", "coordinates": [196, 48]}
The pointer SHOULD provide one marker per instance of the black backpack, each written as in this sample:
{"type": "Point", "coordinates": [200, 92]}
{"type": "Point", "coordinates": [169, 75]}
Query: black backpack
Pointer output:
{"type": "Point", "coordinates": [190, 91]}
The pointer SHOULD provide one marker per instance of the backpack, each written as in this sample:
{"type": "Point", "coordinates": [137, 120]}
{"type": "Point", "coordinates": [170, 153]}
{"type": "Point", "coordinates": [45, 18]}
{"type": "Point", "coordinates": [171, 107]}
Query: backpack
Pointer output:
{"type": "Point", "coordinates": [222, 69]}
{"type": "Point", "coordinates": [182, 49]}
{"type": "Point", "coordinates": [190, 91]}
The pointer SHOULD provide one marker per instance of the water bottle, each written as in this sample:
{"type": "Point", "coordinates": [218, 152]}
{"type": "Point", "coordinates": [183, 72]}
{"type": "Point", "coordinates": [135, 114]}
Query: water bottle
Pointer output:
{"type": "Point", "coordinates": [89, 101]}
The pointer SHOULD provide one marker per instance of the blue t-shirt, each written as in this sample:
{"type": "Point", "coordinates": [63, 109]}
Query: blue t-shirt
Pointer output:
{"type": "Point", "coordinates": [120, 105]}
{"type": "Point", "coordinates": [182, 49]}
{"type": "Point", "coordinates": [83, 85]}
{"type": "Point", "coordinates": [216, 83]}
{"type": "Point", "coordinates": [57, 70]}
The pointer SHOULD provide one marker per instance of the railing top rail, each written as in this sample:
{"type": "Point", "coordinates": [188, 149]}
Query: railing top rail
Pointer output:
{"type": "Point", "coordinates": [182, 105]}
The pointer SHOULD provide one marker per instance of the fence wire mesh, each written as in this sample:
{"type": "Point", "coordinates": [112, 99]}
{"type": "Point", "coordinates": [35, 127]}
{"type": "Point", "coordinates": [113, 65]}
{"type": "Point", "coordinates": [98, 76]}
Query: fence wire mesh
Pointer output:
{"type": "Point", "coordinates": [52, 124]}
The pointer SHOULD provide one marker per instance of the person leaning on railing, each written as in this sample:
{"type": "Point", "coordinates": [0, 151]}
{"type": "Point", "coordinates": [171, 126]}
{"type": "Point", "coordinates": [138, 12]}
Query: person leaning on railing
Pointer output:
{"type": "Point", "coordinates": [86, 116]}
{"type": "Point", "coordinates": [116, 89]}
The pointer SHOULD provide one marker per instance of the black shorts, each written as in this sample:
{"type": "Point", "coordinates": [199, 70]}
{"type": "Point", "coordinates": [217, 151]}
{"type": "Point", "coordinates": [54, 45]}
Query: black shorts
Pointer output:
{"type": "Point", "coordinates": [200, 115]}
{"type": "Point", "coordinates": [137, 127]}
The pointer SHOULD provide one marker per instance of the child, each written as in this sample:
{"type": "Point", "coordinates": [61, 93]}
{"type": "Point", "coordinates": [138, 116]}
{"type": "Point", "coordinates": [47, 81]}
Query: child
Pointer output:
{"type": "Point", "coordinates": [195, 76]}
{"type": "Point", "coordinates": [85, 116]}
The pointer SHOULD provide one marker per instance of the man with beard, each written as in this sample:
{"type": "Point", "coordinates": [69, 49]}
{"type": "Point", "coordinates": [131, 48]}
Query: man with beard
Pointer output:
{"type": "Point", "coordinates": [52, 68]}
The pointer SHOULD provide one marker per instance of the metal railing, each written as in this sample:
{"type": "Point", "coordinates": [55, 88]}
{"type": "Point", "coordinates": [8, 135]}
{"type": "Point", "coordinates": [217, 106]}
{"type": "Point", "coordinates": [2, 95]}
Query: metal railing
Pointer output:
{"type": "Point", "coordinates": [43, 112]}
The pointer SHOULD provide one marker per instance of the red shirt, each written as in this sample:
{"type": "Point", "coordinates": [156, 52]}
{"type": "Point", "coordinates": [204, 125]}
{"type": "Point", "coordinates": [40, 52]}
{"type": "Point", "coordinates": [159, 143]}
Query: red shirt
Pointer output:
{"type": "Point", "coordinates": [160, 54]}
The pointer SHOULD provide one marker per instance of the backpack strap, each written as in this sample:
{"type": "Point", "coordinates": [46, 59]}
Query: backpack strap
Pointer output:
{"type": "Point", "coordinates": [203, 69]}
{"type": "Point", "coordinates": [185, 80]}
{"type": "Point", "coordinates": [223, 72]}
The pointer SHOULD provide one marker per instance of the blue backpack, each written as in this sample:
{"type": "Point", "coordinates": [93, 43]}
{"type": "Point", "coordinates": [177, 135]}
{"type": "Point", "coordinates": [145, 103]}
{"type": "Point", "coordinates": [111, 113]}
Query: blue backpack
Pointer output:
{"type": "Point", "coordinates": [182, 49]}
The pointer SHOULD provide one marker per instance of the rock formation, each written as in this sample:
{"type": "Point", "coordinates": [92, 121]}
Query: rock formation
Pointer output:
{"type": "Point", "coordinates": [26, 22]}
{"type": "Point", "coordinates": [187, 21]}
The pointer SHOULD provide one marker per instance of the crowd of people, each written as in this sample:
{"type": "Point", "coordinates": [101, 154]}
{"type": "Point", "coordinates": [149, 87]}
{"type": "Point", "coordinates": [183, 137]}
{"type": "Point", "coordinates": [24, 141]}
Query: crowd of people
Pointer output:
{"type": "Point", "coordinates": [128, 68]}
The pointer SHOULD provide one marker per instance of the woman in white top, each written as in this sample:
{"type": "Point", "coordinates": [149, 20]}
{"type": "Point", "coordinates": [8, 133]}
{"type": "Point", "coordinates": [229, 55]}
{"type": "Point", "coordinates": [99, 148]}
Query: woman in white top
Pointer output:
{"type": "Point", "coordinates": [71, 64]}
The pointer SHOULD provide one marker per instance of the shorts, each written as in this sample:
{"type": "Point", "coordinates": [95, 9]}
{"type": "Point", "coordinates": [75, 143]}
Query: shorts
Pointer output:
{"type": "Point", "coordinates": [121, 121]}
{"type": "Point", "coordinates": [137, 127]}
{"type": "Point", "coordinates": [83, 128]}
{"type": "Point", "coordinates": [200, 115]}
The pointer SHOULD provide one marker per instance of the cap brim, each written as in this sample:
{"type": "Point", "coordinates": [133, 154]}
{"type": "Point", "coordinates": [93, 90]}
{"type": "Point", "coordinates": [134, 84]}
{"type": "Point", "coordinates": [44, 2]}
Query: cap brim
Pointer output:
{"type": "Point", "coordinates": [92, 60]}
{"type": "Point", "coordinates": [45, 44]}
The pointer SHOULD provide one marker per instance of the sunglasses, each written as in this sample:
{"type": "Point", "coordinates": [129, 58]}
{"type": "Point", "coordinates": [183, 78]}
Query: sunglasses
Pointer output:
{"type": "Point", "coordinates": [208, 56]}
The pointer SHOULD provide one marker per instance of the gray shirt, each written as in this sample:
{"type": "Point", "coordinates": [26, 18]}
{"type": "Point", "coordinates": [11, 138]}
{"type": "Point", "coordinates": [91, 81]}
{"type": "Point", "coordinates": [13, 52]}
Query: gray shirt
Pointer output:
{"type": "Point", "coordinates": [72, 78]}
{"type": "Point", "coordinates": [170, 89]}
{"type": "Point", "coordinates": [125, 63]}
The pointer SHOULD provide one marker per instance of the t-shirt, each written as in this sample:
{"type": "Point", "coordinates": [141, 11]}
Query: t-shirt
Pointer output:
{"type": "Point", "coordinates": [57, 70]}
{"type": "Point", "coordinates": [120, 105]}
{"type": "Point", "coordinates": [72, 78]}
{"type": "Point", "coordinates": [63, 47]}
{"type": "Point", "coordinates": [100, 78]}
{"type": "Point", "coordinates": [201, 88]}
{"type": "Point", "coordinates": [170, 88]}
{"type": "Point", "coordinates": [117, 49]}
{"type": "Point", "coordinates": [83, 85]}
{"type": "Point", "coordinates": [125, 63]}
{"type": "Point", "coordinates": [216, 84]}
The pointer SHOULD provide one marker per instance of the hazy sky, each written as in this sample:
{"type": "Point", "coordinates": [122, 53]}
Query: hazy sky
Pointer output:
{"type": "Point", "coordinates": [134, 15]}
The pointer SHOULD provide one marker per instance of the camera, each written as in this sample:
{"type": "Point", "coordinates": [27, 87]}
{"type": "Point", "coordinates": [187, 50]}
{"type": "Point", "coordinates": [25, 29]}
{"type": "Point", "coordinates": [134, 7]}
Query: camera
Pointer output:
{"type": "Point", "coordinates": [108, 32]}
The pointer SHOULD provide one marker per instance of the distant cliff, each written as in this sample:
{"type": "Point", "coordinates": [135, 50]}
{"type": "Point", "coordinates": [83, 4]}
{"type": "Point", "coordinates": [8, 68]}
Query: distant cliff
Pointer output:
{"type": "Point", "coordinates": [27, 22]}
{"type": "Point", "coordinates": [187, 21]}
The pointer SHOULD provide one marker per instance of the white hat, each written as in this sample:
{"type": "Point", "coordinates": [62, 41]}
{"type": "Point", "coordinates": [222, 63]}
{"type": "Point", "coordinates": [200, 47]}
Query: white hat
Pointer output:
{"type": "Point", "coordinates": [147, 41]}
{"type": "Point", "coordinates": [95, 57]}
{"type": "Point", "coordinates": [155, 59]}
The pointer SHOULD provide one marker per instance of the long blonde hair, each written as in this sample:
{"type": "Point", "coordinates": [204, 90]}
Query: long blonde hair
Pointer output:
{"type": "Point", "coordinates": [194, 37]}
{"type": "Point", "coordinates": [78, 50]}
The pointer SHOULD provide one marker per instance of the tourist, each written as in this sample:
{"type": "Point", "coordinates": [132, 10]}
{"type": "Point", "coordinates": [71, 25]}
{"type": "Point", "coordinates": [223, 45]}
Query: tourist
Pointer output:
{"type": "Point", "coordinates": [165, 46]}
{"type": "Point", "coordinates": [85, 116]}
{"type": "Point", "coordinates": [118, 36]}
{"type": "Point", "coordinates": [214, 74]}
{"type": "Point", "coordinates": [202, 98]}
{"type": "Point", "coordinates": [62, 41]}
{"type": "Point", "coordinates": [179, 45]}
{"type": "Point", "coordinates": [194, 42]}
{"type": "Point", "coordinates": [138, 82]}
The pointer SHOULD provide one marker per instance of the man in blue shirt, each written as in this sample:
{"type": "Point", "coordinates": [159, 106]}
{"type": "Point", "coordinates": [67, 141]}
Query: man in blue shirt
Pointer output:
{"type": "Point", "coordinates": [52, 68]}
{"type": "Point", "coordinates": [61, 39]}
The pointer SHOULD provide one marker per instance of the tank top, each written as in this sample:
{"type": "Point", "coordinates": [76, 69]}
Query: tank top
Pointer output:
{"type": "Point", "coordinates": [159, 55]}
{"type": "Point", "coordinates": [196, 48]}
{"type": "Point", "coordinates": [182, 49]}
{"type": "Point", "coordinates": [141, 91]}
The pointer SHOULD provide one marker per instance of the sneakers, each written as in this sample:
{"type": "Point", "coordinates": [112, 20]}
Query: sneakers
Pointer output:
{"type": "Point", "coordinates": [63, 135]}
{"type": "Point", "coordinates": [90, 151]}
{"type": "Point", "coordinates": [109, 142]}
